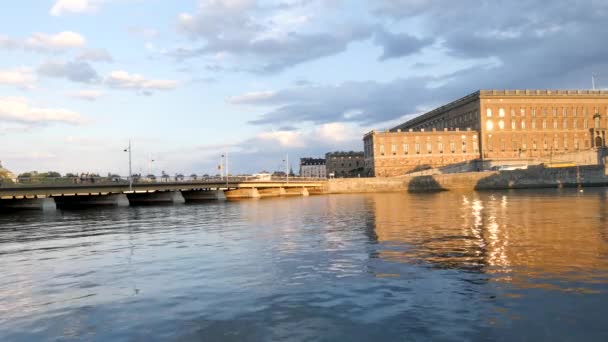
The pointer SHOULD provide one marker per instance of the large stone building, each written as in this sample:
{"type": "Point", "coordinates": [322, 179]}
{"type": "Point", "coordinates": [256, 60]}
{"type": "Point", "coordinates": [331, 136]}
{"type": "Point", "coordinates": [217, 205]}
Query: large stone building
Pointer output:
{"type": "Point", "coordinates": [312, 167]}
{"type": "Point", "coordinates": [493, 127]}
{"type": "Point", "coordinates": [344, 164]}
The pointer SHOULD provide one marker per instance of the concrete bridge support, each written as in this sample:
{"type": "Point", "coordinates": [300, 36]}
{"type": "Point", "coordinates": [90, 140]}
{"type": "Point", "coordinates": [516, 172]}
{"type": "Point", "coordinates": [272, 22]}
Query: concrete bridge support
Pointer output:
{"type": "Point", "coordinates": [158, 197]}
{"type": "Point", "coordinates": [79, 201]}
{"type": "Point", "coordinates": [272, 192]}
{"type": "Point", "coordinates": [203, 195]}
{"type": "Point", "coordinates": [44, 204]}
{"type": "Point", "coordinates": [296, 192]}
{"type": "Point", "coordinates": [242, 193]}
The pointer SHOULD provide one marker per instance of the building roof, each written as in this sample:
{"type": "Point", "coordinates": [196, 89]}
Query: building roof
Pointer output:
{"type": "Point", "coordinates": [312, 161]}
{"type": "Point", "coordinates": [502, 93]}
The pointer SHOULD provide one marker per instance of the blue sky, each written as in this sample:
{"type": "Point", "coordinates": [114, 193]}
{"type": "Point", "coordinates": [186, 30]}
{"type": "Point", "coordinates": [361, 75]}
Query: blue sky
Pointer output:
{"type": "Point", "coordinates": [187, 80]}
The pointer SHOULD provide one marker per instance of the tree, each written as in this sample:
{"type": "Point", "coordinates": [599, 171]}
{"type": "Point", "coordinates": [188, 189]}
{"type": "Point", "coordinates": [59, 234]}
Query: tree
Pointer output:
{"type": "Point", "coordinates": [193, 176]}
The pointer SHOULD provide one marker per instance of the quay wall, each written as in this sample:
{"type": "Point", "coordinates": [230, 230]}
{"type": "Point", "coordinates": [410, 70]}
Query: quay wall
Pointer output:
{"type": "Point", "coordinates": [533, 177]}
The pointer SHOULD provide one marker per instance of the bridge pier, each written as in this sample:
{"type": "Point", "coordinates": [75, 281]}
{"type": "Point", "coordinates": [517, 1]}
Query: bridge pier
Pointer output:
{"type": "Point", "coordinates": [204, 195]}
{"type": "Point", "coordinates": [271, 192]}
{"type": "Point", "coordinates": [296, 192]}
{"type": "Point", "coordinates": [44, 204]}
{"type": "Point", "coordinates": [242, 193]}
{"type": "Point", "coordinates": [158, 197]}
{"type": "Point", "coordinates": [78, 201]}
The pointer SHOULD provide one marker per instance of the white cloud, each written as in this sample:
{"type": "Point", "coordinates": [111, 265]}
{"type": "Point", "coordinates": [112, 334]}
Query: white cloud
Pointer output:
{"type": "Point", "coordinates": [251, 97]}
{"type": "Point", "coordinates": [283, 138]}
{"type": "Point", "coordinates": [89, 95]}
{"type": "Point", "coordinates": [22, 77]}
{"type": "Point", "coordinates": [17, 109]}
{"type": "Point", "coordinates": [60, 41]}
{"type": "Point", "coordinates": [8, 43]}
{"type": "Point", "coordinates": [124, 80]}
{"type": "Point", "coordinates": [73, 6]}
{"type": "Point", "coordinates": [95, 55]}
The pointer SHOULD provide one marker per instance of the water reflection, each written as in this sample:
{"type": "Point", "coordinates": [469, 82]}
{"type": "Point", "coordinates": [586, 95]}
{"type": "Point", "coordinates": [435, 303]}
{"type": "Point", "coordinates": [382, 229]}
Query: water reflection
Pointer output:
{"type": "Point", "coordinates": [517, 237]}
{"type": "Point", "coordinates": [445, 266]}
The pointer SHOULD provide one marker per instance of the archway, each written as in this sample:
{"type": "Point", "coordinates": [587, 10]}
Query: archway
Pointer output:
{"type": "Point", "coordinates": [599, 142]}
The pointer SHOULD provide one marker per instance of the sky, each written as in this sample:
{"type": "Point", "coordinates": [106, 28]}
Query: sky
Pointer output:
{"type": "Point", "coordinates": [187, 81]}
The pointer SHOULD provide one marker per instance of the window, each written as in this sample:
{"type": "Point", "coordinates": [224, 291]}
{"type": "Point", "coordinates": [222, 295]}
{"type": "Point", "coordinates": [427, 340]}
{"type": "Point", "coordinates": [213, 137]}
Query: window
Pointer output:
{"type": "Point", "coordinates": [489, 112]}
{"type": "Point", "coordinates": [417, 146]}
{"type": "Point", "coordinates": [565, 112]}
{"type": "Point", "coordinates": [501, 112]}
{"type": "Point", "coordinates": [489, 125]}
{"type": "Point", "coordinates": [452, 147]}
{"type": "Point", "coordinates": [524, 145]}
{"type": "Point", "coordinates": [586, 124]}
{"type": "Point", "coordinates": [545, 144]}
{"type": "Point", "coordinates": [381, 150]}
{"type": "Point", "coordinates": [575, 124]}
{"type": "Point", "coordinates": [544, 111]}
{"type": "Point", "coordinates": [565, 124]}
{"type": "Point", "coordinates": [490, 144]}
{"type": "Point", "coordinates": [575, 112]}
{"type": "Point", "coordinates": [566, 143]}
{"type": "Point", "coordinates": [513, 125]}
{"type": "Point", "coordinates": [464, 147]}
{"type": "Point", "coordinates": [555, 144]}
{"type": "Point", "coordinates": [515, 146]}
{"type": "Point", "coordinates": [544, 124]}
{"type": "Point", "coordinates": [502, 145]}
{"type": "Point", "coordinates": [429, 148]}
{"type": "Point", "coordinates": [440, 146]}
{"type": "Point", "coordinates": [554, 124]}
{"type": "Point", "coordinates": [394, 149]}
{"type": "Point", "coordinates": [554, 112]}
{"type": "Point", "coordinates": [576, 145]}
{"type": "Point", "coordinates": [512, 111]}
{"type": "Point", "coordinates": [522, 111]}
{"type": "Point", "coordinates": [501, 124]}
{"type": "Point", "coordinates": [523, 124]}
{"type": "Point", "coordinates": [596, 121]}
{"type": "Point", "coordinates": [406, 148]}
{"type": "Point", "coordinates": [533, 112]}
{"type": "Point", "coordinates": [533, 124]}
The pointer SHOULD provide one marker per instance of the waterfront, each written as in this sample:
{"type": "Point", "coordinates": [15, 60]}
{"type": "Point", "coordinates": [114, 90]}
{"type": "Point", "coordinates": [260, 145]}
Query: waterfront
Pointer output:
{"type": "Point", "coordinates": [496, 265]}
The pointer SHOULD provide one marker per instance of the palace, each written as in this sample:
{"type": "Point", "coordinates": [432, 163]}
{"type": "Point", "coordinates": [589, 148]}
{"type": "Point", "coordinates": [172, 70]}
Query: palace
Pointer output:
{"type": "Point", "coordinates": [495, 127]}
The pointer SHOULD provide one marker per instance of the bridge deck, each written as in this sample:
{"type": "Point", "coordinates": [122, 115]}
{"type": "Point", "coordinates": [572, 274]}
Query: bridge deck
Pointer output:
{"type": "Point", "coordinates": [20, 190]}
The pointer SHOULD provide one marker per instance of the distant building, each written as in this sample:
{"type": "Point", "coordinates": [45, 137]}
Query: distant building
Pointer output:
{"type": "Point", "coordinates": [263, 176]}
{"type": "Point", "coordinates": [312, 167]}
{"type": "Point", "coordinates": [495, 127]}
{"type": "Point", "coordinates": [6, 174]}
{"type": "Point", "coordinates": [345, 164]}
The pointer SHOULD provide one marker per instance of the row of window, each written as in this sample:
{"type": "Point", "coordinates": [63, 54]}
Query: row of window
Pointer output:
{"type": "Point", "coordinates": [555, 111]}
{"type": "Point", "coordinates": [405, 148]}
{"type": "Point", "coordinates": [544, 124]}
{"type": "Point", "coordinates": [555, 146]}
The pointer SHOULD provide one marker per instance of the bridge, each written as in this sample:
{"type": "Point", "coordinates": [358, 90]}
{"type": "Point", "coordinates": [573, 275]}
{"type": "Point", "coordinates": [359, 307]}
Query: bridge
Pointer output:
{"type": "Point", "coordinates": [69, 193]}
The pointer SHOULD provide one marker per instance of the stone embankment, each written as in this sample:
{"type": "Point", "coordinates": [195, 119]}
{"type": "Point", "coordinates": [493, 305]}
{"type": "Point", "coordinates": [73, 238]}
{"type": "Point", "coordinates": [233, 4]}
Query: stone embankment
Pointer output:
{"type": "Point", "coordinates": [534, 177]}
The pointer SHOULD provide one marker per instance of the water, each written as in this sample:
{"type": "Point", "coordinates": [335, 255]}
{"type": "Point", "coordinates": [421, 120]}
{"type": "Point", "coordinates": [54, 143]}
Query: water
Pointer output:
{"type": "Point", "coordinates": [525, 265]}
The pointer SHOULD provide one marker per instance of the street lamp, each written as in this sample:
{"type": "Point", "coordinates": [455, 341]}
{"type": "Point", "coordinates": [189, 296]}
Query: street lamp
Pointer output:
{"type": "Point", "coordinates": [150, 161]}
{"type": "Point", "coordinates": [128, 149]}
{"type": "Point", "coordinates": [286, 160]}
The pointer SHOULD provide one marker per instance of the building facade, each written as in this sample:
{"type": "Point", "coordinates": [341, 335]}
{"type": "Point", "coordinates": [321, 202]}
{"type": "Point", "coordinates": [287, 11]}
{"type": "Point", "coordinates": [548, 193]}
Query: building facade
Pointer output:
{"type": "Point", "coordinates": [496, 127]}
{"type": "Point", "coordinates": [313, 167]}
{"type": "Point", "coordinates": [345, 164]}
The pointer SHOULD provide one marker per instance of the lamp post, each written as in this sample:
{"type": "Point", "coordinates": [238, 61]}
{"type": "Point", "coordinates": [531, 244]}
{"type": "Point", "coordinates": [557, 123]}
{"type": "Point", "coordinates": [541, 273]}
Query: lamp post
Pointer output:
{"type": "Point", "coordinates": [150, 161]}
{"type": "Point", "coordinates": [128, 149]}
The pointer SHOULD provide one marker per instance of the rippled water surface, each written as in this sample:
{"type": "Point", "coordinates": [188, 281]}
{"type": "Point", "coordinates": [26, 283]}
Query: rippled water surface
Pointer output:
{"type": "Point", "coordinates": [523, 265]}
